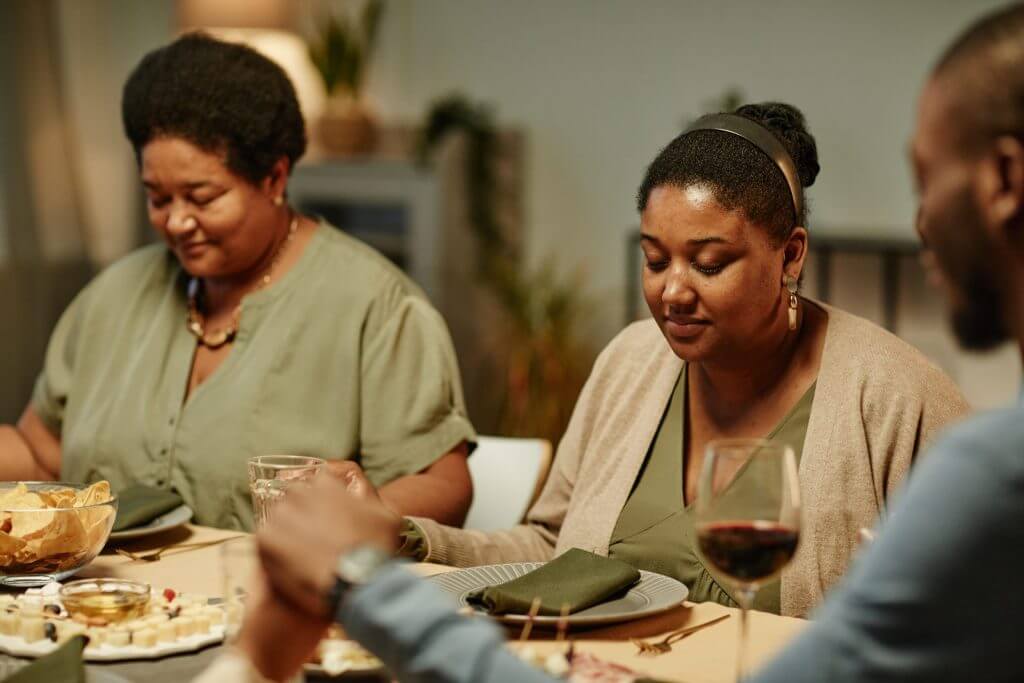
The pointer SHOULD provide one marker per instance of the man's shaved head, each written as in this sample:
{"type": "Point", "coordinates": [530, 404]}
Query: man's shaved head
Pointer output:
{"type": "Point", "coordinates": [985, 68]}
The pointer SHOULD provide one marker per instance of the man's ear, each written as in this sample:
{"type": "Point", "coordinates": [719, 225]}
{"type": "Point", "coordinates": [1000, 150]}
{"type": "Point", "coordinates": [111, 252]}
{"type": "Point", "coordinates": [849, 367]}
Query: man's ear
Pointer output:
{"type": "Point", "coordinates": [1001, 189]}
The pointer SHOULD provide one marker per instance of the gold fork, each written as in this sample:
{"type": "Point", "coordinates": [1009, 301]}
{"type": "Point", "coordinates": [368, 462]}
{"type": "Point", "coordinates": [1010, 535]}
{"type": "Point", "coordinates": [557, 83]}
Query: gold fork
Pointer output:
{"type": "Point", "coordinates": [665, 644]}
{"type": "Point", "coordinates": [154, 555]}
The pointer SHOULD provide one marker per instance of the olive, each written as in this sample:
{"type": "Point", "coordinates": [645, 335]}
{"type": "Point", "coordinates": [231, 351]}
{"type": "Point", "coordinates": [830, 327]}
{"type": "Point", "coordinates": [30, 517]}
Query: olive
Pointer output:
{"type": "Point", "coordinates": [50, 629]}
{"type": "Point", "coordinates": [52, 609]}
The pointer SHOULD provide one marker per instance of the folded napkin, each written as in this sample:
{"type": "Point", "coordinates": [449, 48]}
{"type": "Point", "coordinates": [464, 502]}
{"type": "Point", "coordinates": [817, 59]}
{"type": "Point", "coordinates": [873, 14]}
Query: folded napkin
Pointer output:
{"type": "Point", "coordinates": [577, 578]}
{"type": "Point", "coordinates": [63, 664]}
{"type": "Point", "coordinates": [139, 504]}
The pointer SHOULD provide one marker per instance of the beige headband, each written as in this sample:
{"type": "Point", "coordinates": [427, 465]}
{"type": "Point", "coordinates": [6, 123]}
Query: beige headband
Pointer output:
{"type": "Point", "coordinates": [764, 140]}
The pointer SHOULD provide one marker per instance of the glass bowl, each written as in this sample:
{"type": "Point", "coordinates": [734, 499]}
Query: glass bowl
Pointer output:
{"type": "Point", "coordinates": [50, 530]}
{"type": "Point", "coordinates": [107, 599]}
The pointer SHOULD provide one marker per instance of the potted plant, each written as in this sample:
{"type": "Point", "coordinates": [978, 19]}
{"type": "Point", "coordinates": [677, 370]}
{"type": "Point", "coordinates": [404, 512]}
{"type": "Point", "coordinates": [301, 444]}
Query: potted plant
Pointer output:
{"type": "Point", "coordinates": [341, 52]}
{"type": "Point", "coordinates": [544, 356]}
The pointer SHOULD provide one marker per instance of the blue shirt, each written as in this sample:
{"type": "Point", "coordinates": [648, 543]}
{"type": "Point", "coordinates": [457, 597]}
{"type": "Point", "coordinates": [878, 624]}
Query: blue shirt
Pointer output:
{"type": "Point", "coordinates": [938, 597]}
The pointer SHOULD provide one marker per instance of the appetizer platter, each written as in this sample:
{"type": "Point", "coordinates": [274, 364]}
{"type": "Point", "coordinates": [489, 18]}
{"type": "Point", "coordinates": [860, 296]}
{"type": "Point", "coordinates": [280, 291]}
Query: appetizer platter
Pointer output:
{"type": "Point", "coordinates": [122, 620]}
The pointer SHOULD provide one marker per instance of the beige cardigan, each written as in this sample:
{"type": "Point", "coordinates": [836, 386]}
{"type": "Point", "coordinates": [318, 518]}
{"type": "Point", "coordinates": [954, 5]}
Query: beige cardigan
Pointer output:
{"type": "Point", "coordinates": [876, 403]}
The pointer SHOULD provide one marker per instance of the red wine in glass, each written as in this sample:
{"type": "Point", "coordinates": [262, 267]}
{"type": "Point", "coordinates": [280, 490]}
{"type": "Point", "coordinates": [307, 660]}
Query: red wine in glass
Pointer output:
{"type": "Point", "coordinates": [747, 517]}
{"type": "Point", "coordinates": [749, 552]}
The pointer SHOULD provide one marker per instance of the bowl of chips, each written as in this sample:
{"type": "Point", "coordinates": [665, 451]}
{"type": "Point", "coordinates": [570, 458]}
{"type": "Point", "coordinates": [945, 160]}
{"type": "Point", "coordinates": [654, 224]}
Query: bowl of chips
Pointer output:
{"type": "Point", "coordinates": [50, 530]}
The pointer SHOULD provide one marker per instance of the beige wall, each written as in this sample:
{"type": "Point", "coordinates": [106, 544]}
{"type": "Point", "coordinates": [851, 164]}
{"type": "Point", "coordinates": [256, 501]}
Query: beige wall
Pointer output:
{"type": "Point", "coordinates": [599, 86]}
{"type": "Point", "coordinates": [101, 40]}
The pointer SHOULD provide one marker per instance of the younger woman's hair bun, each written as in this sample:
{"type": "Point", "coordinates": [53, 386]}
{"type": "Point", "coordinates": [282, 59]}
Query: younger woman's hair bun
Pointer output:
{"type": "Point", "coordinates": [787, 123]}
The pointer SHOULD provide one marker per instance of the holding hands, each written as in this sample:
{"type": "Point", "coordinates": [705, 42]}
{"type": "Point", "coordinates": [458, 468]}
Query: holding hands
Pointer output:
{"type": "Point", "coordinates": [315, 526]}
{"type": "Point", "coordinates": [299, 549]}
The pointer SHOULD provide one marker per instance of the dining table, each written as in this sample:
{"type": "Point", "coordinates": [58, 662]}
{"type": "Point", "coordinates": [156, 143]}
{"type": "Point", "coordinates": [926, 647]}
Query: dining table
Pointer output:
{"type": "Point", "coordinates": [191, 562]}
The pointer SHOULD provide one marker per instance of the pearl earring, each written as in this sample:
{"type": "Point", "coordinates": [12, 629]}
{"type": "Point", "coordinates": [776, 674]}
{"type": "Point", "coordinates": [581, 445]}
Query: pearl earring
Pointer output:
{"type": "Point", "coordinates": [794, 302]}
{"type": "Point", "coordinates": [278, 200]}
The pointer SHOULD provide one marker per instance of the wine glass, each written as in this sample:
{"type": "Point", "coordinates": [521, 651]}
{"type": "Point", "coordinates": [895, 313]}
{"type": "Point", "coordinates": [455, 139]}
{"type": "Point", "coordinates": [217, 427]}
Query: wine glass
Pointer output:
{"type": "Point", "coordinates": [747, 517]}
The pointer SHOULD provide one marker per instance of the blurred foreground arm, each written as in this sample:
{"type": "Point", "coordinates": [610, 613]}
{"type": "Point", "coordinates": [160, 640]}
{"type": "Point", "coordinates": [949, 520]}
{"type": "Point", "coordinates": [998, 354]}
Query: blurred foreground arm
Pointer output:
{"type": "Point", "coordinates": [404, 620]}
{"type": "Point", "coordinates": [413, 628]}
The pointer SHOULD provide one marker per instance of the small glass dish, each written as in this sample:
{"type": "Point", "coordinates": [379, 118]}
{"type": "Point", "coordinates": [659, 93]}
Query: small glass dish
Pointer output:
{"type": "Point", "coordinates": [108, 599]}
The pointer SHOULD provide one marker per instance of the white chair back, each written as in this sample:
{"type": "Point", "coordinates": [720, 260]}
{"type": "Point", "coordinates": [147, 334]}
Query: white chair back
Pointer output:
{"type": "Point", "coordinates": [507, 476]}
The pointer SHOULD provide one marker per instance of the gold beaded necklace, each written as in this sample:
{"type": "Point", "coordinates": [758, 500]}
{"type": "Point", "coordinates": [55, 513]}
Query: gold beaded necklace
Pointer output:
{"type": "Point", "coordinates": [195, 323]}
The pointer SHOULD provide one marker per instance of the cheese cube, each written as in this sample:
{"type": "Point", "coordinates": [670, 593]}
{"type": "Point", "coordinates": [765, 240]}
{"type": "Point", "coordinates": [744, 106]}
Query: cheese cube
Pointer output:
{"type": "Point", "coordinates": [202, 624]}
{"type": "Point", "coordinates": [119, 637]}
{"type": "Point", "coordinates": [166, 632]}
{"type": "Point", "coordinates": [144, 637]}
{"type": "Point", "coordinates": [32, 628]}
{"type": "Point", "coordinates": [10, 622]}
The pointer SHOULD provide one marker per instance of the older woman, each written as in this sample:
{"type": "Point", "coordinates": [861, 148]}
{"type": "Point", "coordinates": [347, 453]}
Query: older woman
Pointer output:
{"type": "Point", "coordinates": [732, 351]}
{"type": "Point", "coordinates": [251, 330]}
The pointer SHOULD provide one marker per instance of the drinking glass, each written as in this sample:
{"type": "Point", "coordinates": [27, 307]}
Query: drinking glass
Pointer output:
{"type": "Point", "coordinates": [270, 476]}
{"type": "Point", "coordinates": [747, 517]}
{"type": "Point", "coordinates": [239, 563]}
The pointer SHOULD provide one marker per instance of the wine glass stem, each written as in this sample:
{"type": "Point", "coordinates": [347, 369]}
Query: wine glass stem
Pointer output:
{"type": "Point", "coordinates": [745, 598]}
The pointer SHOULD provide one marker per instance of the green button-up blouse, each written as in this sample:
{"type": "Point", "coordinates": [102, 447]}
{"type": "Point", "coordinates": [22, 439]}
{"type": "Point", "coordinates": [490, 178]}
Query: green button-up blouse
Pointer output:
{"type": "Point", "coordinates": [342, 358]}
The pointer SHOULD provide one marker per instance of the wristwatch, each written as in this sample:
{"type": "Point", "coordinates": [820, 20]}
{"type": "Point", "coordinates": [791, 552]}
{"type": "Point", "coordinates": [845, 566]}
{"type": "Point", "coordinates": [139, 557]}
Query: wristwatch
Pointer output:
{"type": "Point", "coordinates": [353, 569]}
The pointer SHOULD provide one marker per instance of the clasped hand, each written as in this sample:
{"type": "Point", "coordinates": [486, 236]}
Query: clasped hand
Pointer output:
{"type": "Point", "coordinates": [299, 548]}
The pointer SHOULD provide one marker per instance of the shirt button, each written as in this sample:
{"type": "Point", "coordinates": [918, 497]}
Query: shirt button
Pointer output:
{"type": "Point", "coordinates": [163, 451]}
{"type": "Point", "coordinates": [171, 422]}
{"type": "Point", "coordinates": [159, 482]}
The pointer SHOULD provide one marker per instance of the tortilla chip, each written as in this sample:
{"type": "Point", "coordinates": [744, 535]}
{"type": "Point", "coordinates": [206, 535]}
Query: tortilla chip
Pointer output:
{"type": "Point", "coordinates": [31, 524]}
{"type": "Point", "coordinates": [97, 493]}
{"type": "Point", "coordinates": [59, 498]}
{"type": "Point", "coordinates": [65, 534]}
{"type": "Point", "coordinates": [25, 501]}
{"type": "Point", "coordinates": [10, 544]}
{"type": "Point", "coordinates": [97, 523]}
{"type": "Point", "coordinates": [14, 492]}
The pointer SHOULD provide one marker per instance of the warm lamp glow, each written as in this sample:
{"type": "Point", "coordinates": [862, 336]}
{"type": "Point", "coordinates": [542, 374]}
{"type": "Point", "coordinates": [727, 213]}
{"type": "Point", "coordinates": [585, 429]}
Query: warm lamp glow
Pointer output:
{"type": "Point", "coordinates": [266, 26]}
{"type": "Point", "coordinates": [251, 14]}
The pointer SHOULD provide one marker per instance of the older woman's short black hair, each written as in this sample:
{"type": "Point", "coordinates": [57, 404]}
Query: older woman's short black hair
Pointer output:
{"type": "Point", "coordinates": [221, 97]}
{"type": "Point", "coordinates": [741, 175]}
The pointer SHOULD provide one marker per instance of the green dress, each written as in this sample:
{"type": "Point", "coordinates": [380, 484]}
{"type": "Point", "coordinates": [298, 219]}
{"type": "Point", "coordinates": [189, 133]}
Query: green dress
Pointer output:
{"type": "Point", "coordinates": [343, 357]}
{"type": "Point", "coordinates": [655, 531]}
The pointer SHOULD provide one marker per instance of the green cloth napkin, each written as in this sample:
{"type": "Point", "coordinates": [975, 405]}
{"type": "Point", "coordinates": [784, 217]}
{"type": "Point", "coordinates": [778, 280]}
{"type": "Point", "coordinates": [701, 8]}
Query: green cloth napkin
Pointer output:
{"type": "Point", "coordinates": [577, 577]}
{"type": "Point", "coordinates": [63, 664]}
{"type": "Point", "coordinates": [139, 504]}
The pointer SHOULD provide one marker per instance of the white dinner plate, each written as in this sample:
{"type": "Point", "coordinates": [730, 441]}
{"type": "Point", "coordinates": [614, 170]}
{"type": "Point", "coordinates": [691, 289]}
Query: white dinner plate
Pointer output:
{"type": "Point", "coordinates": [654, 593]}
{"type": "Point", "coordinates": [356, 674]}
{"type": "Point", "coordinates": [361, 670]}
{"type": "Point", "coordinates": [169, 520]}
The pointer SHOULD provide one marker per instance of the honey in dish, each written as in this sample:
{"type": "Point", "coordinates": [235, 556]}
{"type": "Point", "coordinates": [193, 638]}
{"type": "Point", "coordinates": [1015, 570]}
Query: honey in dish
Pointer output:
{"type": "Point", "coordinates": [110, 605]}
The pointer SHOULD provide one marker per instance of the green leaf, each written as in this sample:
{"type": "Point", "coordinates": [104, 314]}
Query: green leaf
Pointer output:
{"type": "Point", "coordinates": [340, 50]}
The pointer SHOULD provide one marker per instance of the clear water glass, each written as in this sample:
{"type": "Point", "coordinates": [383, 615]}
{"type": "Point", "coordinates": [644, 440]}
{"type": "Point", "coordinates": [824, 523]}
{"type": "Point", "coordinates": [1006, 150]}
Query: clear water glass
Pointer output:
{"type": "Point", "coordinates": [239, 565]}
{"type": "Point", "coordinates": [270, 477]}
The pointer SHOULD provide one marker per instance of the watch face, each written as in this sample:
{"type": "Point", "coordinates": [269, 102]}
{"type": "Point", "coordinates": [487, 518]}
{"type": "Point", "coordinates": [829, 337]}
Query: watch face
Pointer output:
{"type": "Point", "coordinates": [359, 564]}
